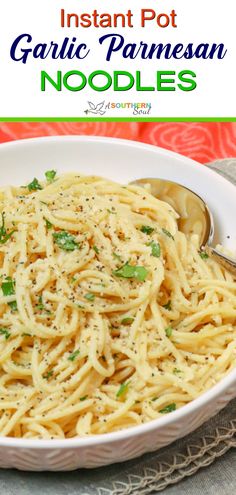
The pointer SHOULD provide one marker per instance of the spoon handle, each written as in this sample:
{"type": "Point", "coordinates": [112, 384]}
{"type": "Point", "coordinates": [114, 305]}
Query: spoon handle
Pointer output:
{"type": "Point", "coordinates": [222, 259]}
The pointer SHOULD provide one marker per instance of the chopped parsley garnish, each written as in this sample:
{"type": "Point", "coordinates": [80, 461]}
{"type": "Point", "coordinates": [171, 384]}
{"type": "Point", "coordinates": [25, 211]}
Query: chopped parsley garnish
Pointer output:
{"type": "Point", "coordinates": [90, 296]}
{"type": "Point", "coordinates": [83, 398]}
{"type": "Point", "coordinates": [127, 321]}
{"type": "Point", "coordinates": [95, 248]}
{"type": "Point", "coordinates": [50, 175]}
{"type": "Point", "coordinates": [176, 371]}
{"type": "Point", "coordinates": [73, 280]}
{"type": "Point", "coordinates": [48, 224]}
{"type": "Point", "coordinates": [168, 409]}
{"type": "Point", "coordinates": [116, 256]}
{"type": "Point", "coordinates": [129, 271]}
{"type": "Point", "coordinates": [168, 331]}
{"type": "Point", "coordinates": [65, 241]}
{"type": "Point", "coordinates": [123, 389]}
{"type": "Point", "coordinates": [146, 229]}
{"type": "Point", "coordinates": [154, 398]}
{"type": "Point", "coordinates": [113, 212]}
{"type": "Point", "coordinates": [13, 305]}
{"type": "Point", "coordinates": [4, 237]}
{"type": "Point", "coordinates": [156, 248]}
{"type": "Point", "coordinates": [166, 232]}
{"type": "Point", "coordinates": [8, 289]}
{"type": "Point", "coordinates": [167, 306]}
{"type": "Point", "coordinates": [48, 374]}
{"type": "Point", "coordinates": [73, 355]}
{"type": "Point", "coordinates": [203, 255]}
{"type": "Point", "coordinates": [5, 332]}
{"type": "Point", "coordinates": [34, 185]}
{"type": "Point", "coordinates": [25, 334]}
{"type": "Point", "coordinates": [41, 306]}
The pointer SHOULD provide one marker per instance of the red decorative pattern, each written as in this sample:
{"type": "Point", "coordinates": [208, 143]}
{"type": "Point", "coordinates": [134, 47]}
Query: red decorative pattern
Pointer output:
{"type": "Point", "coordinates": [203, 142]}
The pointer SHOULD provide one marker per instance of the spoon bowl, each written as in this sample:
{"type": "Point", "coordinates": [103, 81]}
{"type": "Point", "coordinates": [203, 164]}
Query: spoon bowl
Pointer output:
{"type": "Point", "coordinates": [194, 215]}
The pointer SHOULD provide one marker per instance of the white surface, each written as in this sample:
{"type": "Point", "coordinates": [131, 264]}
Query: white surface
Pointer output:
{"type": "Point", "coordinates": [198, 22]}
{"type": "Point", "coordinates": [121, 160]}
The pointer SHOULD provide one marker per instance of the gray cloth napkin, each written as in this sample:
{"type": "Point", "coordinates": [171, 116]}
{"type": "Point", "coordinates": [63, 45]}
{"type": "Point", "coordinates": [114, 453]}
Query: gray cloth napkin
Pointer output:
{"type": "Point", "coordinates": [225, 167]}
{"type": "Point", "coordinates": [155, 472]}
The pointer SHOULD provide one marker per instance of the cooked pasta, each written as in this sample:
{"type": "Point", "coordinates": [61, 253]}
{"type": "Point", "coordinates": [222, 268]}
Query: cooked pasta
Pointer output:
{"type": "Point", "coordinates": [109, 315]}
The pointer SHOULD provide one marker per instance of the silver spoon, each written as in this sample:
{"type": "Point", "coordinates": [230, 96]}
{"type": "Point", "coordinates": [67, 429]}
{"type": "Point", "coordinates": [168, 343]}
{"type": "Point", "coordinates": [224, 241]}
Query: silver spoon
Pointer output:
{"type": "Point", "coordinates": [194, 215]}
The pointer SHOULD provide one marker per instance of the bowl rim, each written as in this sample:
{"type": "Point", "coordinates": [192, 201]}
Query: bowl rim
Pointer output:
{"type": "Point", "coordinates": [156, 424]}
{"type": "Point", "coordinates": [122, 142]}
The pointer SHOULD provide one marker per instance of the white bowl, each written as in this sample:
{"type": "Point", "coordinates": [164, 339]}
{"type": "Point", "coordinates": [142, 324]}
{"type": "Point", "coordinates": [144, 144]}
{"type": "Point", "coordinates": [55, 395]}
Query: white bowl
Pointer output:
{"type": "Point", "coordinates": [122, 161]}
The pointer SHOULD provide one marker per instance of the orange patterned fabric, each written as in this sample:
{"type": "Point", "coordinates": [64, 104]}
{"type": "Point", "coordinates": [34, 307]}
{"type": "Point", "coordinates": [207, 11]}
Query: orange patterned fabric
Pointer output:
{"type": "Point", "coordinates": [203, 142]}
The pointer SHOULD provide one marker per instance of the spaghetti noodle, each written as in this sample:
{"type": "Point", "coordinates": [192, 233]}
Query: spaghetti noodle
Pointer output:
{"type": "Point", "coordinates": [109, 315]}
